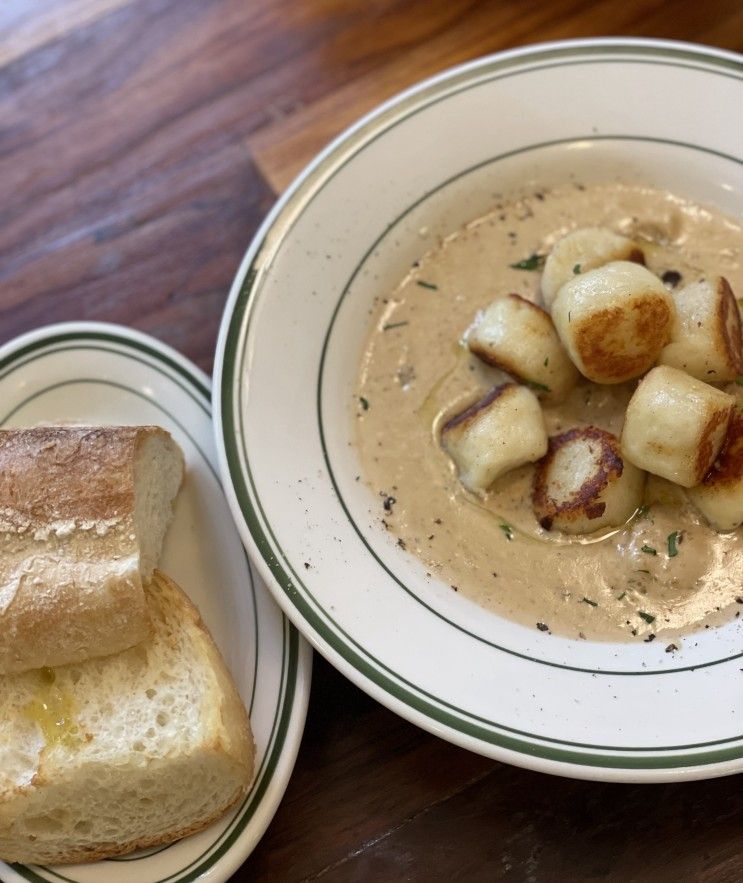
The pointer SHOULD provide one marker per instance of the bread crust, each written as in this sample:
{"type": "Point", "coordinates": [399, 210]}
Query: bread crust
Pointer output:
{"type": "Point", "coordinates": [70, 580]}
{"type": "Point", "coordinates": [84, 857]}
{"type": "Point", "coordinates": [51, 473]}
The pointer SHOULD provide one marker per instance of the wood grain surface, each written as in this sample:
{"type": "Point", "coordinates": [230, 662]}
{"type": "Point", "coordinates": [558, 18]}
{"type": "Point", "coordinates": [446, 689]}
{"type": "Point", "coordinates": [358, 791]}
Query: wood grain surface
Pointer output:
{"type": "Point", "coordinates": [141, 143]}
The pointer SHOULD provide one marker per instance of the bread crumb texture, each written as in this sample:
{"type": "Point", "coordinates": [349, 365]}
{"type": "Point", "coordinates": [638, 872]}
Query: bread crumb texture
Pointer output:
{"type": "Point", "coordinates": [142, 748]}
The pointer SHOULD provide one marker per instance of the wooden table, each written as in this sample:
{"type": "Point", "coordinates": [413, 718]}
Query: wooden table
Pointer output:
{"type": "Point", "coordinates": [141, 143]}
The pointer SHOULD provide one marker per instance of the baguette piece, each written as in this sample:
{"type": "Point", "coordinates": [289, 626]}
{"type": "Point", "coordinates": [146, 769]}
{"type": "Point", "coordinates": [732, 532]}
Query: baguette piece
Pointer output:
{"type": "Point", "coordinates": [122, 753]}
{"type": "Point", "coordinates": [83, 514]}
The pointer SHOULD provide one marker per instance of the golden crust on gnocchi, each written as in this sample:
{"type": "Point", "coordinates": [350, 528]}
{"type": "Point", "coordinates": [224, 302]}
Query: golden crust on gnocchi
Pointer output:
{"type": "Point", "coordinates": [614, 321]}
{"type": "Point", "coordinates": [675, 425]}
{"type": "Point", "coordinates": [583, 483]}
{"type": "Point", "coordinates": [720, 495]}
{"type": "Point", "coordinates": [706, 339]}
{"type": "Point", "coordinates": [499, 432]}
{"type": "Point", "coordinates": [519, 337]}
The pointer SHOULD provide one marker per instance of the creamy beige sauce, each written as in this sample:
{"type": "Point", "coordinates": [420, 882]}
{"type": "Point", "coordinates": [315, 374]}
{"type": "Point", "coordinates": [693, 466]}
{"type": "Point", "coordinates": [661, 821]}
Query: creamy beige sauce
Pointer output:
{"type": "Point", "coordinates": [416, 372]}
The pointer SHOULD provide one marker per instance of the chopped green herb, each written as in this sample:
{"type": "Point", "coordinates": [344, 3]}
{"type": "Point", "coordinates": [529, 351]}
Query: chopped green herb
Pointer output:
{"type": "Point", "coordinates": [642, 511]}
{"type": "Point", "coordinates": [364, 403]}
{"type": "Point", "coordinates": [546, 361]}
{"type": "Point", "coordinates": [539, 387]}
{"type": "Point", "coordinates": [649, 550]}
{"type": "Point", "coordinates": [589, 601]}
{"type": "Point", "coordinates": [533, 262]}
{"type": "Point", "coordinates": [673, 540]}
{"type": "Point", "coordinates": [642, 571]}
{"type": "Point", "coordinates": [428, 285]}
{"type": "Point", "coordinates": [623, 595]}
{"type": "Point", "coordinates": [576, 269]}
{"type": "Point", "coordinates": [739, 380]}
{"type": "Point", "coordinates": [391, 325]}
{"type": "Point", "coordinates": [507, 530]}
{"type": "Point", "coordinates": [648, 617]}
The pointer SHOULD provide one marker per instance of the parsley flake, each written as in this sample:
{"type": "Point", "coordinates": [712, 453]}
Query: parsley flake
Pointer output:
{"type": "Point", "coordinates": [533, 262]}
{"type": "Point", "coordinates": [576, 269]}
{"type": "Point", "coordinates": [390, 325]}
{"type": "Point", "coordinates": [364, 403]}
{"type": "Point", "coordinates": [507, 531]}
{"type": "Point", "coordinates": [673, 543]}
{"type": "Point", "coordinates": [428, 285]}
{"type": "Point", "coordinates": [589, 601]}
{"type": "Point", "coordinates": [648, 617]}
{"type": "Point", "coordinates": [649, 550]}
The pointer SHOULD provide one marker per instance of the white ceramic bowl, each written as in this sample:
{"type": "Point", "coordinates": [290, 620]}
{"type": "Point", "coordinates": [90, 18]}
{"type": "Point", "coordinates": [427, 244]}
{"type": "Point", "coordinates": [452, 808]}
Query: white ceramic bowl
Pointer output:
{"type": "Point", "coordinates": [664, 113]}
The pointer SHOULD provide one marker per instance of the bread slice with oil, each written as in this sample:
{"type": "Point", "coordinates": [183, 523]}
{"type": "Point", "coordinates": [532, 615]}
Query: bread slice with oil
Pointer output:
{"type": "Point", "coordinates": [124, 752]}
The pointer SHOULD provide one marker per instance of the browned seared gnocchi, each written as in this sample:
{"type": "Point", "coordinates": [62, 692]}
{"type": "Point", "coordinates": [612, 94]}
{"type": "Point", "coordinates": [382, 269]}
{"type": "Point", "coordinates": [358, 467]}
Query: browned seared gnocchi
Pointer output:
{"type": "Point", "coordinates": [501, 431]}
{"type": "Point", "coordinates": [675, 425]}
{"type": "Point", "coordinates": [706, 337]}
{"type": "Point", "coordinates": [720, 495]}
{"type": "Point", "coordinates": [584, 484]}
{"type": "Point", "coordinates": [519, 337]}
{"type": "Point", "coordinates": [613, 321]}
{"type": "Point", "coordinates": [582, 250]}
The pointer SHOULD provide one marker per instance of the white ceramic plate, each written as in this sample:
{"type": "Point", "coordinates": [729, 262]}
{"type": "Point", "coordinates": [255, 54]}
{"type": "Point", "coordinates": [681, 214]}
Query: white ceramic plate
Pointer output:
{"type": "Point", "coordinates": [96, 373]}
{"type": "Point", "coordinates": [348, 229]}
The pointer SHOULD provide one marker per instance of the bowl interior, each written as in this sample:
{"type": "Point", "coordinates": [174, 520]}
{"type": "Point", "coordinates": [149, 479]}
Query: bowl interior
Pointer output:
{"type": "Point", "coordinates": [416, 172]}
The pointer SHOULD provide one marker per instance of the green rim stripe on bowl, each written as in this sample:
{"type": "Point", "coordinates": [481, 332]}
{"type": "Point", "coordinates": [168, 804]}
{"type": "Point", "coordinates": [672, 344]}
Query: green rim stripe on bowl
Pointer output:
{"type": "Point", "coordinates": [290, 646]}
{"type": "Point", "coordinates": [283, 219]}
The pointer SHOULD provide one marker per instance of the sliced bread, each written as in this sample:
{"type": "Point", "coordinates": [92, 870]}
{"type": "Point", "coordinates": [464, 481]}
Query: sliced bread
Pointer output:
{"type": "Point", "coordinates": [124, 752]}
{"type": "Point", "coordinates": [83, 514]}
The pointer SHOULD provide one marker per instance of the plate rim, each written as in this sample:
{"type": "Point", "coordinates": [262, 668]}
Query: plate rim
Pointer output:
{"type": "Point", "coordinates": [293, 699]}
{"type": "Point", "coordinates": [232, 340]}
